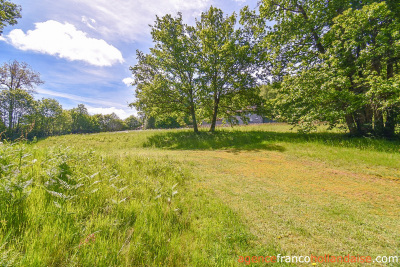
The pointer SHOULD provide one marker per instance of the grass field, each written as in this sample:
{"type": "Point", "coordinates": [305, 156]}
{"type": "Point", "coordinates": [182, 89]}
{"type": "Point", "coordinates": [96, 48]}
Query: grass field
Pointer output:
{"type": "Point", "coordinates": [173, 198]}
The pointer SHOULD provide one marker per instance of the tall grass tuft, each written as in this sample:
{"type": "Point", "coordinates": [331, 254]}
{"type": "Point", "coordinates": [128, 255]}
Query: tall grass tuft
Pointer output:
{"type": "Point", "coordinates": [65, 207]}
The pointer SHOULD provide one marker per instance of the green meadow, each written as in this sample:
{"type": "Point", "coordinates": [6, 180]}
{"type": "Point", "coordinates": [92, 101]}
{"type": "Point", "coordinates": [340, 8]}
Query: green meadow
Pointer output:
{"type": "Point", "coordinates": [175, 198]}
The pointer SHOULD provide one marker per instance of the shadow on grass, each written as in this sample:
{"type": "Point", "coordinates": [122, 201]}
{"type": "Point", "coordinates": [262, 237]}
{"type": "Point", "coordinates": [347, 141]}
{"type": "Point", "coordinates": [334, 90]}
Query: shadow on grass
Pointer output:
{"type": "Point", "coordinates": [263, 140]}
{"type": "Point", "coordinates": [234, 140]}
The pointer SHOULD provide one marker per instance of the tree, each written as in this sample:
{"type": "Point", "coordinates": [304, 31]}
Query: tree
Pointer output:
{"type": "Point", "coordinates": [47, 117]}
{"type": "Point", "coordinates": [98, 123]}
{"type": "Point", "coordinates": [199, 71]}
{"type": "Point", "coordinates": [323, 57]}
{"type": "Point", "coordinates": [132, 122]}
{"type": "Point", "coordinates": [149, 123]}
{"type": "Point", "coordinates": [167, 123]}
{"type": "Point", "coordinates": [107, 123]}
{"type": "Point", "coordinates": [165, 78]}
{"type": "Point", "coordinates": [17, 82]}
{"type": "Point", "coordinates": [113, 123]}
{"type": "Point", "coordinates": [15, 106]}
{"type": "Point", "coordinates": [364, 58]}
{"type": "Point", "coordinates": [9, 13]}
{"type": "Point", "coordinates": [225, 67]}
{"type": "Point", "coordinates": [65, 123]}
{"type": "Point", "coordinates": [81, 120]}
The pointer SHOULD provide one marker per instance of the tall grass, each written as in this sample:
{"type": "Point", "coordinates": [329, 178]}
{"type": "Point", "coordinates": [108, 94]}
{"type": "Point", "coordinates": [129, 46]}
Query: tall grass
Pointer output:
{"type": "Point", "coordinates": [63, 207]}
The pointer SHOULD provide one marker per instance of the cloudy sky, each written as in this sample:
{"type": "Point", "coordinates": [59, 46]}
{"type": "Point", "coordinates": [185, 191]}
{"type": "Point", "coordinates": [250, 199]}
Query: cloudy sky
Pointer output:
{"type": "Point", "coordinates": [83, 48]}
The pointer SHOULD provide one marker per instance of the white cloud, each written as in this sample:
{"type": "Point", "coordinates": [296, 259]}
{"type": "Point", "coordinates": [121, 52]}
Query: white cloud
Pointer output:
{"type": "Point", "coordinates": [122, 114]}
{"type": "Point", "coordinates": [65, 41]}
{"type": "Point", "coordinates": [122, 19]}
{"type": "Point", "coordinates": [128, 81]}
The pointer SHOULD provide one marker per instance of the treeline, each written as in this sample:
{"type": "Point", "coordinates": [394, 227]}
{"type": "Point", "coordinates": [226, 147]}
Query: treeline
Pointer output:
{"type": "Point", "coordinates": [23, 116]}
{"type": "Point", "coordinates": [335, 62]}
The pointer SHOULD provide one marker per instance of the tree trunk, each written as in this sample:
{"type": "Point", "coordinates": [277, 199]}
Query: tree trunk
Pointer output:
{"type": "Point", "coordinates": [351, 124]}
{"type": "Point", "coordinates": [378, 123]}
{"type": "Point", "coordinates": [215, 112]}
{"type": "Point", "coordinates": [193, 113]}
{"type": "Point", "coordinates": [390, 125]}
{"type": "Point", "coordinates": [364, 121]}
{"type": "Point", "coordinates": [10, 114]}
{"type": "Point", "coordinates": [392, 114]}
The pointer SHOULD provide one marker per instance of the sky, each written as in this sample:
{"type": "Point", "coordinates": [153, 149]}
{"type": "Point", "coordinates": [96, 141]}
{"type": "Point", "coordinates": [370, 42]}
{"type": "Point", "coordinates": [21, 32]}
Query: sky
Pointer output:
{"type": "Point", "coordinates": [83, 48]}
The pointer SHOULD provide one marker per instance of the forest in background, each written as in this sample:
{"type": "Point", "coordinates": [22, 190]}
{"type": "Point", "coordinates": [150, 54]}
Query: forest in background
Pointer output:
{"type": "Point", "coordinates": [23, 116]}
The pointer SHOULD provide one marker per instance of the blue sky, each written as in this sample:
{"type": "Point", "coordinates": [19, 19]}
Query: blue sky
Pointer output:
{"type": "Point", "coordinates": [83, 48]}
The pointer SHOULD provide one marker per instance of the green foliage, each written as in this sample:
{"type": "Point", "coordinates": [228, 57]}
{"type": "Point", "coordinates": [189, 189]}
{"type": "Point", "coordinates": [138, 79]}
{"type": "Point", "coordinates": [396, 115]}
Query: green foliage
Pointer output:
{"type": "Point", "coordinates": [225, 68]}
{"type": "Point", "coordinates": [164, 122]}
{"type": "Point", "coordinates": [24, 117]}
{"type": "Point", "coordinates": [107, 123]}
{"type": "Point", "coordinates": [165, 78]}
{"type": "Point", "coordinates": [81, 120]}
{"type": "Point", "coordinates": [9, 13]}
{"type": "Point", "coordinates": [150, 123]}
{"type": "Point", "coordinates": [65, 122]}
{"type": "Point", "coordinates": [167, 123]}
{"type": "Point", "coordinates": [17, 82]}
{"type": "Point", "coordinates": [202, 72]}
{"type": "Point", "coordinates": [47, 118]}
{"type": "Point", "coordinates": [132, 122]}
{"type": "Point", "coordinates": [362, 59]}
{"type": "Point", "coordinates": [15, 106]}
{"type": "Point", "coordinates": [334, 61]}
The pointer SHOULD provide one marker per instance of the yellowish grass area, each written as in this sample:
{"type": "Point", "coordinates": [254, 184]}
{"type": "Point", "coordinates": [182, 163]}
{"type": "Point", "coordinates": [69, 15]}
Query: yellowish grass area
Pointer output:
{"type": "Point", "coordinates": [302, 206]}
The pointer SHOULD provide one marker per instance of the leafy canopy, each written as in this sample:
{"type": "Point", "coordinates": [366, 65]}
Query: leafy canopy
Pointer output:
{"type": "Point", "coordinates": [333, 61]}
{"type": "Point", "coordinates": [9, 13]}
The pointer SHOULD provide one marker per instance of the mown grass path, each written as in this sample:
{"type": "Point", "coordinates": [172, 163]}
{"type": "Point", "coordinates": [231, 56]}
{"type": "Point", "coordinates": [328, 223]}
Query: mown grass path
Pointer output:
{"type": "Point", "coordinates": [305, 207]}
